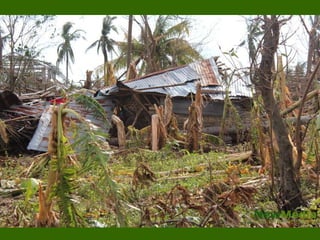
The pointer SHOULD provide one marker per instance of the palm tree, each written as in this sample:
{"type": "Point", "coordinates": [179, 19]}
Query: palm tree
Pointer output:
{"type": "Point", "coordinates": [105, 43]}
{"type": "Point", "coordinates": [166, 46]}
{"type": "Point", "coordinates": [64, 50]}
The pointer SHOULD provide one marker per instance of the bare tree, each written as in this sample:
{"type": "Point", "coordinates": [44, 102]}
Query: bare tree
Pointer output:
{"type": "Point", "coordinates": [313, 34]}
{"type": "Point", "coordinates": [289, 191]}
{"type": "Point", "coordinates": [313, 52]}
{"type": "Point", "coordinates": [22, 35]}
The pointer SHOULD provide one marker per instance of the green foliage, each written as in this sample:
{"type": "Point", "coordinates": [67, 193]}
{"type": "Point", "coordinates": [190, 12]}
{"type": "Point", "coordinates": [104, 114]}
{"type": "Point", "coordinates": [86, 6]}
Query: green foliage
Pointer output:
{"type": "Point", "coordinates": [160, 47]}
{"type": "Point", "coordinates": [63, 192]}
{"type": "Point", "coordinates": [66, 174]}
{"type": "Point", "coordinates": [101, 190]}
{"type": "Point", "coordinates": [93, 156]}
{"type": "Point", "coordinates": [105, 43]}
{"type": "Point", "coordinates": [318, 122]}
{"type": "Point", "coordinates": [64, 49]}
{"type": "Point", "coordinates": [91, 104]}
{"type": "Point", "coordinates": [68, 168]}
{"type": "Point", "coordinates": [212, 139]}
{"type": "Point", "coordinates": [137, 138]}
{"type": "Point", "coordinates": [31, 185]}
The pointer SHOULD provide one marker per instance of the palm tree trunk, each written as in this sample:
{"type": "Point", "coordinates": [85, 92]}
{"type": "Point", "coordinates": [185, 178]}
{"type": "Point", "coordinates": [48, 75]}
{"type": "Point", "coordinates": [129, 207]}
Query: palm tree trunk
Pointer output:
{"type": "Point", "coordinates": [67, 70]}
{"type": "Point", "coordinates": [129, 41]}
{"type": "Point", "coordinates": [12, 78]}
{"type": "Point", "coordinates": [150, 45]}
{"type": "Point", "coordinates": [1, 50]}
{"type": "Point", "coordinates": [105, 65]}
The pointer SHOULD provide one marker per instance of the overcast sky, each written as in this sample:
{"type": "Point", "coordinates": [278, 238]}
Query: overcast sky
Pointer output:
{"type": "Point", "coordinates": [218, 33]}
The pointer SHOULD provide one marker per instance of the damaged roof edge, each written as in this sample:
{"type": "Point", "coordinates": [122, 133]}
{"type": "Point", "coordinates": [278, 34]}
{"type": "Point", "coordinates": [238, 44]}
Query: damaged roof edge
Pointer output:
{"type": "Point", "coordinates": [181, 81]}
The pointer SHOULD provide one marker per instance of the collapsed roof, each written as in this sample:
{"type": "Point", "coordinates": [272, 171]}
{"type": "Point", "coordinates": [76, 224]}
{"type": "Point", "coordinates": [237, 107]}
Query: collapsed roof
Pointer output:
{"type": "Point", "coordinates": [181, 81]}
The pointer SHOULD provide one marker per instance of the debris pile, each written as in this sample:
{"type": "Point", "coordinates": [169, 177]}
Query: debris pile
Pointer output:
{"type": "Point", "coordinates": [18, 122]}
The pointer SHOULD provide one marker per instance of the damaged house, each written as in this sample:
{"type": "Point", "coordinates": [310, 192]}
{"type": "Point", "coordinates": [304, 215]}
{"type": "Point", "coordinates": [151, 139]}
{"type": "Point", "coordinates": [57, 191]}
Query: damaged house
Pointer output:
{"type": "Point", "coordinates": [134, 100]}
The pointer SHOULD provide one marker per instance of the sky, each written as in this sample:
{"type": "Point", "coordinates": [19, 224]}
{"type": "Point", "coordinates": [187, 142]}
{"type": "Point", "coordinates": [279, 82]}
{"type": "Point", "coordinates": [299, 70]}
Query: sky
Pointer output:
{"type": "Point", "coordinates": [218, 33]}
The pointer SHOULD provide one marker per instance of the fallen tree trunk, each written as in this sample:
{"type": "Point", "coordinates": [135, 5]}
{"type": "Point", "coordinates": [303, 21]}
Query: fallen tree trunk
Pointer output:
{"type": "Point", "coordinates": [298, 103]}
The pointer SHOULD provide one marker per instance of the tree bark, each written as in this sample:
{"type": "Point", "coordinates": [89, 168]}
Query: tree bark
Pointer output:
{"type": "Point", "coordinates": [88, 82]}
{"type": "Point", "coordinates": [105, 65]}
{"type": "Point", "coordinates": [312, 43]}
{"type": "Point", "coordinates": [1, 52]}
{"type": "Point", "coordinates": [129, 41]}
{"type": "Point", "coordinates": [289, 193]}
{"type": "Point", "coordinates": [67, 69]}
{"type": "Point", "coordinates": [150, 45]}
{"type": "Point", "coordinates": [194, 124]}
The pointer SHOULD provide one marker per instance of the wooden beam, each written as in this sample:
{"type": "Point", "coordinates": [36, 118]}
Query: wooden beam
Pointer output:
{"type": "Point", "coordinates": [139, 102]}
{"type": "Point", "coordinates": [155, 130]}
{"type": "Point", "coordinates": [120, 131]}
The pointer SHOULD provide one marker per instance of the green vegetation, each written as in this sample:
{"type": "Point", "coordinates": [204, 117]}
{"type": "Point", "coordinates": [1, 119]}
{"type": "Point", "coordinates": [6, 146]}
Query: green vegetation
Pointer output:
{"type": "Point", "coordinates": [86, 183]}
{"type": "Point", "coordinates": [186, 190]}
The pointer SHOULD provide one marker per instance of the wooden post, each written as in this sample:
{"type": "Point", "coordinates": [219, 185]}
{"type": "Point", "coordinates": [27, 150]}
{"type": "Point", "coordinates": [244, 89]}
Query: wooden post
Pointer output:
{"type": "Point", "coordinates": [155, 130]}
{"type": "Point", "coordinates": [120, 131]}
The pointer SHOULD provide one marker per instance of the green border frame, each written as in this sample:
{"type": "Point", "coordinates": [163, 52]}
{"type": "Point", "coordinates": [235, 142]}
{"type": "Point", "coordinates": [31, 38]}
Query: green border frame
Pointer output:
{"type": "Point", "coordinates": [159, 7]}
{"type": "Point", "coordinates": [156, 233]}
{"type": "Point", "coordinates": [82, 7]}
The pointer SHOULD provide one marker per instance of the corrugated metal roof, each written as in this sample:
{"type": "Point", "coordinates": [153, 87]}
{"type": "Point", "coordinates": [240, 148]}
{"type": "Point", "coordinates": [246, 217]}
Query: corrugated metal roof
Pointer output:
{"type": "Point", "coordinates": [176, 90]}
{"type": "Point", "coordinates": [182, 81]}
{"type": "Point", "coordinates": [171, 78]}
{"type": "Point", "coordinates": [39, 141]}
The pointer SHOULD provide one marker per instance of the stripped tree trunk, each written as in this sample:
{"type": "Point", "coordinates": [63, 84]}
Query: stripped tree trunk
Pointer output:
{"type": "Point", "coordinates": [162, 130]}
{"type": "Point", "coordinates": [129, 41]}
{"type": "Point", "coordinates": [289, 193]}
{"type": "Point", "coordinates": [194, 123]}
{"type": "Point", "coordinates": [88, 82]}
{"type": "Point", "coordinates": [1, 52]}
{"type": "Point", "coordinates": [46, 216]}
{"type": "Point", "coordinates": [110, 77]}
{"type": "Point", "coordinates": [164, 125]}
